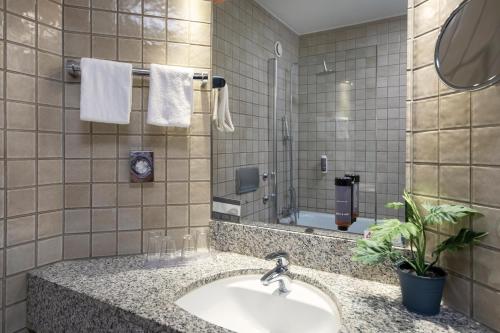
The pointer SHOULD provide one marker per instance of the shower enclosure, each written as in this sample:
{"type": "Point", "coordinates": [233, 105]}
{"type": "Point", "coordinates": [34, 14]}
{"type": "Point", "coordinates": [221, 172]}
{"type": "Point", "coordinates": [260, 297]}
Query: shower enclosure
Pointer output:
{"type": "Point", "coordinates": [338, 119]}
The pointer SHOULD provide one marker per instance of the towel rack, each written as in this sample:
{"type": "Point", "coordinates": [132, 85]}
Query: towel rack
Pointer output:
{"type": "Point", "coordinates": [73, 69]}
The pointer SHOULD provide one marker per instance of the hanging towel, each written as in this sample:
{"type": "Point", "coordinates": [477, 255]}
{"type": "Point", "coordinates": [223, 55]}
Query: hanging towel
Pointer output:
{"type": "Point", "coordinates": [106, 91]}
{"type": "Point", "coordinates": [170, 96]}
{"type": "Point", "coordinates": [221, 115]}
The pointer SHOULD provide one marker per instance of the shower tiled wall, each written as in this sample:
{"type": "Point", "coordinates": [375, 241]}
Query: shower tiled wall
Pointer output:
{"type": "Point", "coordinates": [355, 116]}
{"type": "Point", "coordinates": [65, 190]}
{"type": "Point", "coordinates": [244, 37]}
{"type": "Point", "coordinates": [372, 57]}
{"type": "Point", "coordinates": [453, 157]}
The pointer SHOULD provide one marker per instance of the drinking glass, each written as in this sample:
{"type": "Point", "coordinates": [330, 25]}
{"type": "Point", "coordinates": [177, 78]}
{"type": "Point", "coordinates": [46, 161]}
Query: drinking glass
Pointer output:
{"type": "Point", "coordinates": [169, 254]}
{"type": "Point", "coordinates": [188, 247]}
{"type": "Point", "coordinates": [153, 251]}
{"type": "Point", "coordinates": [202, 244]}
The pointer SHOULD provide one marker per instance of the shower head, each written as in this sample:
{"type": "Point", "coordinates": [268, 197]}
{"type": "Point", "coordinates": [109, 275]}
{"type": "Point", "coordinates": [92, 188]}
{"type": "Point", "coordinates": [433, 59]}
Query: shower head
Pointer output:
{"type": "Point", "coordinates": [325, 70]}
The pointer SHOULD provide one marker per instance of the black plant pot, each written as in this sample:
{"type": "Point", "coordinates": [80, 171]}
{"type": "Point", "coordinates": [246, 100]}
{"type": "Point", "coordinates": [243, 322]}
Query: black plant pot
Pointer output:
{"type": "Point", "coordinates": [421, 294]}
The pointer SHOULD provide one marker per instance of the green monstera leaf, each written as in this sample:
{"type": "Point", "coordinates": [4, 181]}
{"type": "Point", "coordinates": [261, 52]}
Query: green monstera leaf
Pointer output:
{"type": "Point", "coordinates": [464, 238]}
{"type": "Point", "coordinates": [380, 248]}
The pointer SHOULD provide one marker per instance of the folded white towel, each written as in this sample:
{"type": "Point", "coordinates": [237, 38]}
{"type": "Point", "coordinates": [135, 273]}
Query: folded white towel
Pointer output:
{"type": "Point", "coordinates": [221, 115]}
{"type": "Point", "coordinates": [170, 96]}
{"type": "Point", "coordinates": [106, 91]}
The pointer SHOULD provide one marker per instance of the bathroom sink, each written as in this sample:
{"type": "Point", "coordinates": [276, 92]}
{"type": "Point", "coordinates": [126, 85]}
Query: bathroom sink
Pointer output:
{"type": "Point", "coordinates": [242, 304]}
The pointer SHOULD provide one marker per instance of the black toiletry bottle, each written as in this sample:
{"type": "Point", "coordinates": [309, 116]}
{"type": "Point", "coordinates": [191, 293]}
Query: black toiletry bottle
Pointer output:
{"type": "Point", "coordinates": [355, 195]}
{"type": "Point", "coordinates": [343, 202]}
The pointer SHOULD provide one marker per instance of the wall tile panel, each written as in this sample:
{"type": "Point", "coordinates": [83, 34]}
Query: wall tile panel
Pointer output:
{"type": "Point", "coordinates": [467, 163]}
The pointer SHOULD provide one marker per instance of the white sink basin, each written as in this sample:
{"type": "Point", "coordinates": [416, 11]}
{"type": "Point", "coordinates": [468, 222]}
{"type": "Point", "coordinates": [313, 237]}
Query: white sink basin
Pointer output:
{"type": "Point", "coordinates": [242, 304]}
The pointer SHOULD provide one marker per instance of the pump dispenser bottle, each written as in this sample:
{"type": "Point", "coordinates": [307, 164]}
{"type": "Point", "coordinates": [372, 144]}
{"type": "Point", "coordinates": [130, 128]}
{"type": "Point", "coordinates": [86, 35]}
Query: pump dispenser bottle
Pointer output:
{"type": "Point", "coordinates": [343, 202]}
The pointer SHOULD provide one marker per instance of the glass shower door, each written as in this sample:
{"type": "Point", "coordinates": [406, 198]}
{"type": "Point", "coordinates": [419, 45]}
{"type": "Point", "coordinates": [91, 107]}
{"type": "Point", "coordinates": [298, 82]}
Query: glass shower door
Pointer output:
{"type": "Point", "coordinates": [356, 131]}
{"type": "Point", "coordinates": [337, 119]}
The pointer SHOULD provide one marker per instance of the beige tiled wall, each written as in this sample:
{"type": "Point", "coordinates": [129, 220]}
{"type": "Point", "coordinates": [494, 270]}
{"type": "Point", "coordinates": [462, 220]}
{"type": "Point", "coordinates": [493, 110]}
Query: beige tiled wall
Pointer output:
{"type": "Point", "coordinates": [65, 192]}
{"type": "Point", "coordinates": [453, 157]}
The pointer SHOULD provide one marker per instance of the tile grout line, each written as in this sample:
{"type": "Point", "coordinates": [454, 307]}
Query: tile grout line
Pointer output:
{"type": "Point", "coordinates": [63, 126]}
{"type": "Point", "coordinates": [4, 190]}
{"type": "Point", "coordinates": [116, 159]}
{"type": "Point", "coordinates": [91, 148]}
{"type": "Point", "coordinates": [166, 158]}
{"type": "Point", "coordinates": [471, 200]}
{"type": "Point", "coordinates": [37, 150]}
{"type": "Point", "coordinates": [143, 124]}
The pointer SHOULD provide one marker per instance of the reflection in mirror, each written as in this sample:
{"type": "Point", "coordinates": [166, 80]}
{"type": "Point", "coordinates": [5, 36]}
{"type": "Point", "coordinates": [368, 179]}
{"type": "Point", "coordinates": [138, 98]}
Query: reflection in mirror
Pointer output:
{"type": "Point", "coordinates": [333, 104]}
{"type": "Point", "coordinates": [468, 48]}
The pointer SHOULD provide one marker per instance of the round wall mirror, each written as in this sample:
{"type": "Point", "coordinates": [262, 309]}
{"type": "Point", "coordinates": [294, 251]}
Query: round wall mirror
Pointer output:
{"type": "Point", "coordinates": [467, 55]}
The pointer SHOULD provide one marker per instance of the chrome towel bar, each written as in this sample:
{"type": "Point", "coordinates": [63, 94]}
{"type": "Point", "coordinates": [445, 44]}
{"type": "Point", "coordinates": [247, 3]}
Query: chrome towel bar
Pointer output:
{"type": "Point", "coordinates": [73, 69]}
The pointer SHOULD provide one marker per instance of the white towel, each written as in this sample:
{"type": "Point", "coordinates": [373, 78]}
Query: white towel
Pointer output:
{"type": "Point", "coordinates": [170, 96]}
{"type": "Point", "coordinates": [221, 115]}
{"type": "Point", "coordinates": [106, 91]}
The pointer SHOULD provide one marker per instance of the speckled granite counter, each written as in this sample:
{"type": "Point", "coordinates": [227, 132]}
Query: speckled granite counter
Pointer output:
{"type": "Point", "coordinates": [120, 295]}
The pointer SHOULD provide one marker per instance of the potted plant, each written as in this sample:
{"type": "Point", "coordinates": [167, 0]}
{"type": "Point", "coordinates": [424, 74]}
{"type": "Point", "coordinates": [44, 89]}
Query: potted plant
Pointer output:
{"type": "Point", "coordinates": [421, 281]}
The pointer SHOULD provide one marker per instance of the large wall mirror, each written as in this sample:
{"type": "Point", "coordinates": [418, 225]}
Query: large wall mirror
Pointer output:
{"type": "Point", "coordinates": [328, 100]}
{"type": "Point", "coordinates": [468, 49]}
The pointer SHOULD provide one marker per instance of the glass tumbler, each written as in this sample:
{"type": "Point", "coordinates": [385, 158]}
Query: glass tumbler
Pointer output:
{"type": "Point", "coordinates": [202, 244]}
{"type": "Point", "coordinates": [188, 247]}
{"type": "Point", "coordinates": [169, 254]}
{"type": "Point", "coordinates": [153, 251]}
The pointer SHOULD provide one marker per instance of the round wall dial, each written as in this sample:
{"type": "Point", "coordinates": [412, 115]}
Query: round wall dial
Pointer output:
{"type": "Point", "coordinates": [278, 49]}
{"type": "Point", "coordinates": [141, 166]}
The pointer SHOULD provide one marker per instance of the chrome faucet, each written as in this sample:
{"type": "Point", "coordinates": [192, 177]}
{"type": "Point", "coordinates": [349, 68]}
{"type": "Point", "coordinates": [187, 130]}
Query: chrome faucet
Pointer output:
{"type": "Point", "coordinates": [278, 273]}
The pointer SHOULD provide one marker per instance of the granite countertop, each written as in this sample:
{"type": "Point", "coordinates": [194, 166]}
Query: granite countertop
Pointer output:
{"type": "Point", "coordinates": [121, 287]}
